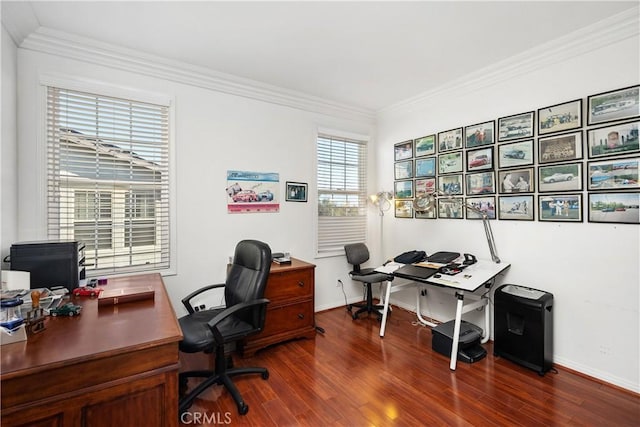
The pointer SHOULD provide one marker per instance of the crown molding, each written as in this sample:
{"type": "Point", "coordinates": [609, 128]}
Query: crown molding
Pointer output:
{"type": "Point", "coordinates": [18, 19]}
{"type": "Point", "coordinates": [600, 34]}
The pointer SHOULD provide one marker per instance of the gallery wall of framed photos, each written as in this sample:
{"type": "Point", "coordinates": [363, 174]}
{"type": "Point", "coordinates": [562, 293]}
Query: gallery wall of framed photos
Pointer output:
{"type": "Point", "coordinates": [559, 163]}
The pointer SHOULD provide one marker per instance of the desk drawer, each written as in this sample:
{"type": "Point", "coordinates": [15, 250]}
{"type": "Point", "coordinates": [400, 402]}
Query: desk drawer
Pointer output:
{"type": "Point", "coordinates": [288, 318]}
{"type": "Point", "coordinates": [289, 285]}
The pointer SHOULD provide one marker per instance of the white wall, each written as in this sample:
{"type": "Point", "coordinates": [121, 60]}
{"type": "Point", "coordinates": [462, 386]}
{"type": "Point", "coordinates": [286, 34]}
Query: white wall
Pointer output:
{"type": "Point", "coordinates": [592, 269]}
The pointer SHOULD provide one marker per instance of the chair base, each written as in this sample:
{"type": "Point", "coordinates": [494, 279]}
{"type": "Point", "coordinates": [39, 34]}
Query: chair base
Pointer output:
{"type": "Point", "coordinates": [366, 308]}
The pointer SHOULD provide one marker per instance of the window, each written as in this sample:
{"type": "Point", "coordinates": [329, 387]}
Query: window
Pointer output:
{"type": "Point", "coordinates": [108, 179]}
{"type": "Point", "coordinates": [342, 193]}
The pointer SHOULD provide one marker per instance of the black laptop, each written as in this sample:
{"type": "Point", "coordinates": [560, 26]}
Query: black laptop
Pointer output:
{"type": "Point", "coordinates": [443, 257]}
{"type": "Point", "coordinates": [415, 272]}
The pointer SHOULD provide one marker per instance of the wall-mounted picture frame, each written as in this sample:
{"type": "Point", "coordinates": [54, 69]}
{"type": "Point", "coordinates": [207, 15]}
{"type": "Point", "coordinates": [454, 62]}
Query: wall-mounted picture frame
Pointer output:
{"type": "Point", "coordinates": [613, 140]}
{"type": "Point", "coordinates": [403, 169]}
{"type": "Point", "coordinates": [560, 148]}
{"type": "Point", "coordinates": [560, 117]}
{"type": "Point", "coordinates": [520, 208]}
{"type": "Point", "coordinates": [486, 204]}
{"type": "Point", "coordinates": [450, 162]}
{"type": "Point", "coordinates": [481, 183]}
{"type": "Point", "coordinates": [425, 146]}
{"type": "Point", "coordinates": [430, 214]}
{"type": "Point", "coordinates": [403, 208]}
{"type": "Point", "coordinates": [480, 159]}
{"type": "Point", "coordinates": [425, 186]}
{"type": "Point", "coordinates": [619, 104]}
{"type": "Point", "coordinates": [403, 150]}
{"type": "Point", "coordinates": [614, 174]}
{"type": "Point", "coordinates": [451, 208]}
{"type": "Point", "coordinates": [561, 177]}
{"type": "Point", "coordinates": [450, 140]}
{"type": "Point", "coordinates": [403, 189]}
{"type": "Point", "coordinates": [515, 154]}
{"type": "Point", "coordinates": [426, 167]}
{"type": "Point", "coordinates": [517, 126]}
{"type": "Point", "coordinates": [479, 134]}
{"type": "Point", "coordinates": [451, 184]}
{"type": "Point", "coordinates": [618, 208]}
{"type": "Point", "coordinates": [560, 207]}
{"type": "Point", "coordinates": [296, 191]}
{"type": "Point", "coordinates": [516, 180]}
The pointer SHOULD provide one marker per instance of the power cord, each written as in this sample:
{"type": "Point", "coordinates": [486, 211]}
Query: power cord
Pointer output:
{"type": "Point", "coordinates": [346, 304]}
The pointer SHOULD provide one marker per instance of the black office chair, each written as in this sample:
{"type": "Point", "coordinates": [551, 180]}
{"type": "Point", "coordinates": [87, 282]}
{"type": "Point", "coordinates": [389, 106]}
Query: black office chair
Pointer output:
{"type": "Point", "coordinates": [244, 315]}
{"type": "Point", "coordinates": [357, 254]}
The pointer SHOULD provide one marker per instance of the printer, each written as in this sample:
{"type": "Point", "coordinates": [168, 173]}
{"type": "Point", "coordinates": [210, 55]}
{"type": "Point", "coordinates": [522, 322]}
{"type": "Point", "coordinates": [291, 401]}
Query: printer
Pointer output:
{"type": "Point", "coordinates": [469, 348]}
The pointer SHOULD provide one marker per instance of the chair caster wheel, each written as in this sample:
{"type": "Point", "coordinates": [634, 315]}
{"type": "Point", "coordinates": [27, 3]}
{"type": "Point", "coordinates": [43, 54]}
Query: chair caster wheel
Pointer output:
{"type": "Point", "coordinates": [265, 375]}
{"type": "Point", "coordinates": [243, 409]}
{"type": "Point", "coordinates": [354, 316]}
{"type": "Point", "coordinates": [349, 307]}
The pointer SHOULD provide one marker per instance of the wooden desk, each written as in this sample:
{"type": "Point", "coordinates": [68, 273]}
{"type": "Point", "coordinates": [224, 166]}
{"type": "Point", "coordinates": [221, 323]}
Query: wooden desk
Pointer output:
{"type": "Point", "coordinates": [113, 366]}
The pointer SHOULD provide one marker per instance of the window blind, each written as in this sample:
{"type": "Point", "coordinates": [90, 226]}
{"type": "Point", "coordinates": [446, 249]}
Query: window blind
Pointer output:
{"type": "Point", "coordinates": [342, 193]}
{"type": "Point", "coordinates": [108, 179]}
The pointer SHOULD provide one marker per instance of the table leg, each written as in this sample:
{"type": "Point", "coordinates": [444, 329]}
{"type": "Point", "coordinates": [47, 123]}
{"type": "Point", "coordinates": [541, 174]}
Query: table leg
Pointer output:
{"type": "Point", "coordinates": [456, 331]}
{"type": "Point", "coordinates": [385, 311]}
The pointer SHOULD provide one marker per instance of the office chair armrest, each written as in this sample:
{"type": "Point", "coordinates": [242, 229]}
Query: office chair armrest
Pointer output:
{"type": "Point", "coordinates": [186, 301]}
{"type": "Point", "coordinates": [213, 323]}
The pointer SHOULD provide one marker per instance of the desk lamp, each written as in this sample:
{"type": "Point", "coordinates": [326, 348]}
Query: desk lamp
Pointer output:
{"type": "Point", "coordinates": [427, 203]}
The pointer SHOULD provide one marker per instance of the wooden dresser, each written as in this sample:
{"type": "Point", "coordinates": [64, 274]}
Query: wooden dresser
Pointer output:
{"type": "Point", "coordinates": [290, 314]}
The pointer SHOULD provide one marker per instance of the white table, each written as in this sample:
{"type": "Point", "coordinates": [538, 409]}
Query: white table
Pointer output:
{"type": "Point", "coordinates": [470, 280]}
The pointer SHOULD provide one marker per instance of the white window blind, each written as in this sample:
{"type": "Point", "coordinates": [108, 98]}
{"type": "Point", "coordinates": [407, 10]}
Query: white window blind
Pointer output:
{"type": "Point", "coordinates": [108, 179]}
{"type": "Point", "coordinates": [342, 193]}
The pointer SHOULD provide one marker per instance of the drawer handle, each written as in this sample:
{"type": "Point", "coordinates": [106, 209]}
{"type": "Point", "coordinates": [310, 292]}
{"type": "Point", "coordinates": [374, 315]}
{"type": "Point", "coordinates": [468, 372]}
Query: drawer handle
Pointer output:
{"type": "Point", "coordinates": [301, 284]}
{"type": "Point", "coordinates": [300, 316]}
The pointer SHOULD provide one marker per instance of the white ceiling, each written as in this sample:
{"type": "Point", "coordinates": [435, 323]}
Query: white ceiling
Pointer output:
{"type": "Point", "coordinates": [368, 55]}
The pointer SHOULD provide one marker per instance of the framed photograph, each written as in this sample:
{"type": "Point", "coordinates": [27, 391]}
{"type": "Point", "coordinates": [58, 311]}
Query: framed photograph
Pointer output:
{"type": "Point", "coordinates": [563, 177]}
{"type": "Point", "coordinates": [486, 204]}
{"type": "Point", "coordinates": [480, 134]}
{"type": "Point", "coordinates": [450, 208]}
{"type": "Point", "coordinates": [296, 191]}
{"type": "Point", "coordinates": [425, 186]}
{"type": "Point", "coordinates": [403, 150]}
{"type": "Point", "coordinates": [450, 162]}
{"type": "Point", "coordinates": [560, 148]}
{"type": "Point", "coordinates": [450, 184]}
{"type": "Point", "coordinates": [560, 117]}
{"type": "Point", "coordinates": [517, 126]}
{"type": "Point", "coordinates": [450, 140]}
{"type": "Point", "coordinates": [618, 174]}
{"type": "Point", "coordinates": [426, 167]}
{"type": "Point", "coordinates": [613, 140]}
{"type": "Point", "coordinates": [516, 181]}
{"type": "Point", "coordinates": [621, 208]}
{"type": "Point", "coordinates": [403, 208]}
{"type": "Point", "coordinates": [515, 154]}
{"type": "Point", "coordinates": [618, 104]}
{"type": "Point", "coordinates": [480, 159]}
{"type": "Point", "coordinates": [403, 169]}
{"type": "Point", "coordinates": [426, 214]}
{"type": "Point", "coordinates": [560, 207]}
{"type": "Point", "coordinates": [481, 183]}
{"type": "Point", "coordinates": [425, 146]}
{"type": "Point", "coordinates": [516, 207]}
{"type": "Point", "coordinates": [403, 190]}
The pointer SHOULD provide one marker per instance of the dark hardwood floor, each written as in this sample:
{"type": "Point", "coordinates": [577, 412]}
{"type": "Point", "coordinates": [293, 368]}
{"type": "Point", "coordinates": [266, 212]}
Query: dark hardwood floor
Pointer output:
{"type": "Point", "coordinates": [349, 376]}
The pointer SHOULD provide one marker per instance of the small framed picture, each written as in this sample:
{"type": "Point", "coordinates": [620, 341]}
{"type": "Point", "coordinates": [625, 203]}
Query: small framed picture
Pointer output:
{"type": "Point", "coordinates": [450, 184]}
{"type": "Point", "coordinates": [562, 177]}
{"type": "Point", "coordinates": [560, 148]}
{"type": "Point", "coordinates": [403, 208]}
{"type": "Point", "coordinates": [480, 134]}
{"type": "Point", "coordinates": [425, 146]}
{"type": "Point", "coordinates": [560, 117]}
{"type": "Point", "coordinates": [403, 169]}
{"type": "Point", "coordinates": [560, 207]}
{"type": "Point", "coordinates": [486, 204]}
{"type": "Point", "coordinates": [515, 154]}
{"type": "Point", "coordinates": [403, 150]}
{"type": "Point", "coordinates": [450, 162]}
{"type": "Point", "coordinates": [517, 126]}
{"type": "Point", "coordinates": [450, 140]}
{"type": "Point", "coordinates": [615, 105]}
{"type": "Point", "coordinates": [620, 208]}
{"type": "Point", "coordinates": [450, 208]}
{"type": "Point", "coordinates": [481, 183]}
{"type": "Point", "coordinates": [425, 186]}
{"type": "Point", "coordinates": [426, 167]}
{"type": "Point", "coordinates": [403, 190]}
{"type": "Point", "coordinates": [480, 159]}
{"type": "Point", "coordinates": [516, 207]}
{"type": "Point", "coordinates": [430, 214]}
{"type": "Point", "coordinates": [296, 191]}
{"type": "Point", "coordinates": [618, 174]}
{"type": "Point", "coordinates": [613, 140]}
{"type": "Point", "coordinates": [516, 180]}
